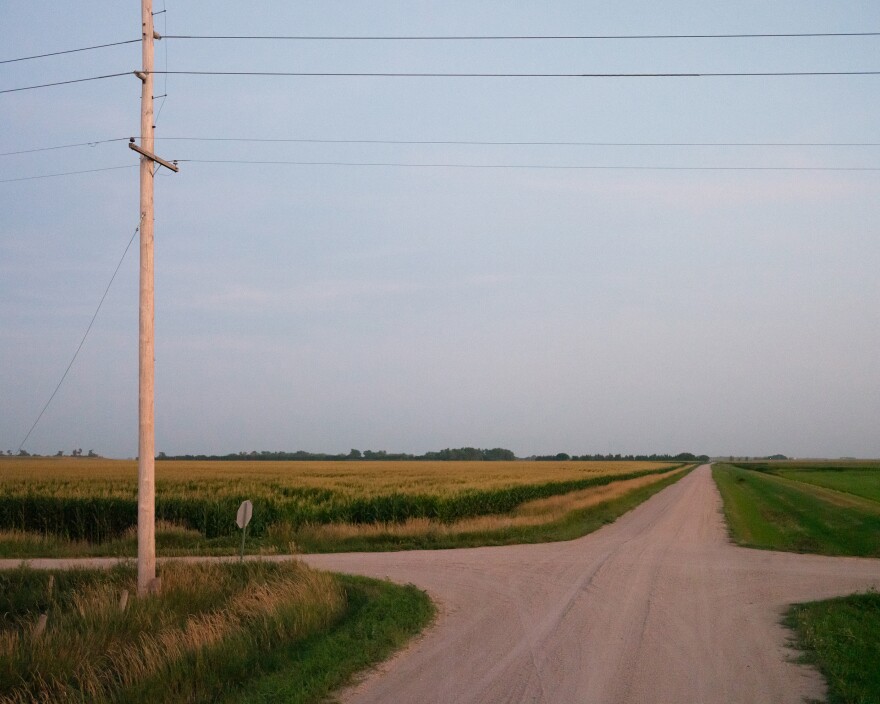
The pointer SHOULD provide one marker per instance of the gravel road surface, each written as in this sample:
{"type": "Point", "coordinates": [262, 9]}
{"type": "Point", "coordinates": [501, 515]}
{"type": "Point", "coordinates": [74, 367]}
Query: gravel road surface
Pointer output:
{"type": "Point", "coordinates": [657, 608]}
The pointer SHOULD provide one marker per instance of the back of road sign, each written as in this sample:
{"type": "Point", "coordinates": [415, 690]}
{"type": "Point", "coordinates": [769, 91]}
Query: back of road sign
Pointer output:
{"type": "Point", "coordinates": [245, 511]}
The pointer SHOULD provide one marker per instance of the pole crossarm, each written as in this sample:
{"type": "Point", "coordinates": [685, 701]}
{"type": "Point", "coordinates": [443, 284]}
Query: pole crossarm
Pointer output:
{"type": "Point", "coordinates": [152, 157]}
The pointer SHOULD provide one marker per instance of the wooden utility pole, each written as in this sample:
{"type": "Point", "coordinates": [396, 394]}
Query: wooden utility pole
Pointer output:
{"type": "Point", "coordinates": [146, 363]}
{"type": "Point", "coordinates": [146, 358]}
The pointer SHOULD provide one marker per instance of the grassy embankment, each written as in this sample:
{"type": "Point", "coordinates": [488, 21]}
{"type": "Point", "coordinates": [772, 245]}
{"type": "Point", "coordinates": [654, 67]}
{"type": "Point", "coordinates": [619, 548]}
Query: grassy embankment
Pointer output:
{"type": "Point", "coordinates": [67, 507]}
{"type": "Point", "coordinates": [790, 508]}
{"type": "Point", "coordinates": [833, 509]}
{"type": "Point", "coordinates": [233, 633]}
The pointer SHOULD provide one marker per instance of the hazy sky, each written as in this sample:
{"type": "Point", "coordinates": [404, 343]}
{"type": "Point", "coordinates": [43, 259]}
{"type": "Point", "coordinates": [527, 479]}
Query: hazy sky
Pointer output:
{"type": "Point", "coordinates": [414, 308]}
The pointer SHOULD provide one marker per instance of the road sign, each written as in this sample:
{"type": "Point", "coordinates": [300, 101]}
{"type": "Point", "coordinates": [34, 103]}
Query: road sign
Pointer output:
{"type": "Point", "coordinates": [245, 511]}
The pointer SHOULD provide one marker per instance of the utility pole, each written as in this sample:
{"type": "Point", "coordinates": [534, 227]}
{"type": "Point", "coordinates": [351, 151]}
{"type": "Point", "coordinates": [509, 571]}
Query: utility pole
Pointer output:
{"type": "Point", "coordinates": [146, 533]}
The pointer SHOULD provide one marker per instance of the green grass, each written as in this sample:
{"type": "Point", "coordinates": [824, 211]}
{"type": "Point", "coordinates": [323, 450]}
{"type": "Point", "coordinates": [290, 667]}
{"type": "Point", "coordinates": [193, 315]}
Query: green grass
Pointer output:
{"type": "Point", "coordinates": [859, 482]}
{"type": "Point", "coordinates": [842, 638]}
{"type": "Point", "coordinates": [768, 511]}
{"type": "Point", "coordinates": [381, 618]}
{"type": "Point", "coordinates": [249, 632]}
{"type": "Point", "coordinates": [833, 509]}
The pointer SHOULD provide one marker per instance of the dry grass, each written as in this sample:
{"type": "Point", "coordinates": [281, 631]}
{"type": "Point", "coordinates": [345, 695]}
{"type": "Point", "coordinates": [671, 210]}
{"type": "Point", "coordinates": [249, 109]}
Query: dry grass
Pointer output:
{"type": "Point", "coordinates": [532, 513]}
{"type": "Point", "coordinates": [93, 651]}
{"type": "Point", "coordinates": [163, 528]}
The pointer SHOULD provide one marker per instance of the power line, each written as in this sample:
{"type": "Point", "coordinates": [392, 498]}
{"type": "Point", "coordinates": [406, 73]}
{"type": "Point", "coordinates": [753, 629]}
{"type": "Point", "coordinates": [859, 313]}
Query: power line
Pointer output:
{"type": "Point", "coordinates": [450, 142]}
{"type": "Point", "coordinates": [64, 146]}
{"type": "Point", "coordinates": [64, 83]}
{"type": "Point", "coordinates": [69, 51]}
{"type": "Point", "coordinates": [401, 74]}
{"type": "Point", "coordinates": [82, 341]}
{"type": "Point", "coordinates": [425, 165]}
{"type": "Point", "coordinates": [67, 173]}
{"type": "Point", "coordinates": [588, 167]}
{"type": "Point", "coordinates": [521, 143]}
{"type": "Point", "coordinates": [520, 37]}
{"type": "Point", "coordinates": [487, 37]}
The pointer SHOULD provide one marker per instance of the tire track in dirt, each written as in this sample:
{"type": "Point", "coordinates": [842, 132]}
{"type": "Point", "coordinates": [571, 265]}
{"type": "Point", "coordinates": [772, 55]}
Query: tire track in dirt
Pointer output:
{"type": "Point", "coordinates": [658, 607]}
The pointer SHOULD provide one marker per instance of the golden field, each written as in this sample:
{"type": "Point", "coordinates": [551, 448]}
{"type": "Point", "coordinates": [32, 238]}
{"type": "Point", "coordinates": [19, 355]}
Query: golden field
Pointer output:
{"type": "Point", "coordinates": [57, 475]}
{"type": "Point", "coordinates": [50, 505]}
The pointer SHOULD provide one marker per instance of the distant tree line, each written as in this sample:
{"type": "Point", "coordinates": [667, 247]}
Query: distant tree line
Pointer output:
{"type": "Point", "coordinates": [76, 452]}
{"type": "Point", "coordinates": [449, 454]}
{"type": "Point", "coordinates": [680, 457]}
{"type": "Point", "coordinates": [472, 454]}
{"type": "Point", "coordinates": [732, 458]}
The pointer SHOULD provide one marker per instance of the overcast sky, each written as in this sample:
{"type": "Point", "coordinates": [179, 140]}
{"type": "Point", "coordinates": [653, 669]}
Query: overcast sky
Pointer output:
{"type": "Point", "coordinates": [329, 307]}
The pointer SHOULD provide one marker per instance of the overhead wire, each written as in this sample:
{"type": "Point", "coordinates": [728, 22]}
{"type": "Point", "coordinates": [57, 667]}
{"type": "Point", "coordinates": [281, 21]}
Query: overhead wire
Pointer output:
{"type": "Point", "coordinates": [499, 37]}
{"type": "Point", "coordinates": [69, 51]}
{"type": "Point", "coordinates": [518, 37]}
{"type": "Point", "coordinates": [588, 167]}
{"type": "Point", "coordinates": [65, 146]}
{"type": "Point", "coordinates": [64, 83]}
{"type": "Point", "coordinates": [82, 341]}
{"type": "Point", "coordinates": [431, 74]}
{"type": "Point", "coordinates": [67, 173]}
{"type": "Point", "coordinates": [448, 142]}
{"type": "Point", "coordinates": [402, 74]}
{"type": "Point", "coordinates": [443, 165]}
{"type": "Point", "coordinates": [451, 37]}
{"type": "Point", "coordinates": [453, 142]}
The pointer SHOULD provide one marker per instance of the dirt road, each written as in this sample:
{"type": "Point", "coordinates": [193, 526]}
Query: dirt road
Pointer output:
{"type": "Point", "coordinates": [657, 608]}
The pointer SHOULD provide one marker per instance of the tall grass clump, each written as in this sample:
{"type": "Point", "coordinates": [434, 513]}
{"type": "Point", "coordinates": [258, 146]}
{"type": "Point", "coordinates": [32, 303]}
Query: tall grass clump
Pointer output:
{"type": "Point", "coordinates": [208, 627]}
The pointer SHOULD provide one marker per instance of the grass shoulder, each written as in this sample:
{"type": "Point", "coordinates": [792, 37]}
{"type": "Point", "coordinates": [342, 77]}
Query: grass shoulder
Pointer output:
{"type": "Point", "coordinates": [281, 630]}
{"type": "Point", "coordinates": [765, 510]}
{"type": "Point", "coordinates": [841, 637]}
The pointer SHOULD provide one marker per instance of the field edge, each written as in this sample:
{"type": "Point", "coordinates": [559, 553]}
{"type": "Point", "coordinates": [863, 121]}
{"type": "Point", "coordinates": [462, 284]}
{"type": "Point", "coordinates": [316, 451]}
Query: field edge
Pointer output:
{"type": "Point", "coordinates": [574, 525]}
{"type": "Point", "coordinates": [382, 618]}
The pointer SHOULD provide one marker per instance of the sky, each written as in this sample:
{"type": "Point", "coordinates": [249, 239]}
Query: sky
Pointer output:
{"type": "Point", "coordinates": [411, 308]}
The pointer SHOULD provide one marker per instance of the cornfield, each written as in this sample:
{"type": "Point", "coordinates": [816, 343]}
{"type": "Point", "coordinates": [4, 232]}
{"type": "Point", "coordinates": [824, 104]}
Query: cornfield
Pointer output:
{"type": "Point", "coordinates": [96, 499]}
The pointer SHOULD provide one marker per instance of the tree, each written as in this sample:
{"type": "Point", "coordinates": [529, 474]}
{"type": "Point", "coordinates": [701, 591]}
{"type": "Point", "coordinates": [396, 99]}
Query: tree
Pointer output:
{"type": "Point", "coordinates": [60, 453]}
{"type": "Point", "coordinates": [24, 453]}
{"type": "Point", "coordinates": [355, 454]}
{"type": "Point", "coordinates": [92, 453]}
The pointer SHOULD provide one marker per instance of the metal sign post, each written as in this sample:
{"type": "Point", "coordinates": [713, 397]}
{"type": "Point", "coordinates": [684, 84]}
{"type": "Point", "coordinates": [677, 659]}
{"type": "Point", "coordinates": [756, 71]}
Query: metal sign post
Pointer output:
{"type": "Point", "coordinates": [245, 511]}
